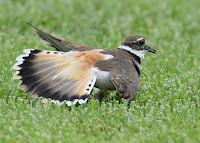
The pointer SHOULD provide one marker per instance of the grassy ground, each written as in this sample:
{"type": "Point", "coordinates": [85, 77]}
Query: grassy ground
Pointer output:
{"type": "Point", "coordinates": [167, 108]}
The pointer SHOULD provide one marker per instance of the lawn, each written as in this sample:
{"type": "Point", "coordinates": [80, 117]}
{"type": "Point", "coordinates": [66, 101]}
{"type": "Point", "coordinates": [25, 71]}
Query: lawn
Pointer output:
{"type": "Point", "coordinates": [167, 108]}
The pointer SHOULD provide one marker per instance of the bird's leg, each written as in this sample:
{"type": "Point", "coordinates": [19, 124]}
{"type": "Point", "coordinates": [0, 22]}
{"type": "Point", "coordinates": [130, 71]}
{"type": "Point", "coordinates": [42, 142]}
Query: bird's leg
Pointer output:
{"type": "Point", "coordinates": [99, 95]}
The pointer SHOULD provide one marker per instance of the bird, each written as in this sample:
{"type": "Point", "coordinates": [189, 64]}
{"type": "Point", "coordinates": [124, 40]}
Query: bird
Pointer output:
{"type": "Point", "coordinates": [69, 73]}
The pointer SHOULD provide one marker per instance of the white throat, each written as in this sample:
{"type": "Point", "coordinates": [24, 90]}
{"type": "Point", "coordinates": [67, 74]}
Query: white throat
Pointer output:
{"type": "Point", "coordinates": [139, 53]}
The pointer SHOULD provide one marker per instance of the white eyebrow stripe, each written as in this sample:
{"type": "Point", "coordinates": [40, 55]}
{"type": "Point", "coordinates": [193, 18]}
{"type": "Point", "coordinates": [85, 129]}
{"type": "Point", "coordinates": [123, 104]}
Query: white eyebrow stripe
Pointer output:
{"type": "Point", "coordinates": [140, 39]}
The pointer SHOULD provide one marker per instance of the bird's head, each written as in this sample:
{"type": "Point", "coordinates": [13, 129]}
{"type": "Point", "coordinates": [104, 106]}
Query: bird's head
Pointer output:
{"type": "Point", "coordinates": [137, 45]}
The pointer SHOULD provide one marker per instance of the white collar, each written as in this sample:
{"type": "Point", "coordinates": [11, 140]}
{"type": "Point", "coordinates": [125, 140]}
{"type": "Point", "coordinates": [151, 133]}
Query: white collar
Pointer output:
{"type": "Point", "coordinates": [139, 53]}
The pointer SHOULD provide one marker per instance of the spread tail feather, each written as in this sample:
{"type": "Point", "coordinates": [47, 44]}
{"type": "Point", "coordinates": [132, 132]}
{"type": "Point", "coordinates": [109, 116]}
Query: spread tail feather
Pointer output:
{"type": "Point", "coordinates": [56, 75]}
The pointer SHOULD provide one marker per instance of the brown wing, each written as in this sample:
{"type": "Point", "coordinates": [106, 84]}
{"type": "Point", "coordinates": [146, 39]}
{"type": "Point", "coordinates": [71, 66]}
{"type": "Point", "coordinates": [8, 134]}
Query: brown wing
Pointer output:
{"type": "Point", "coordinates": [125, 86]}
{"type": "Point", "coordinates": [125, 72]}
{"type": "Point", "coordinates": [59, 44]}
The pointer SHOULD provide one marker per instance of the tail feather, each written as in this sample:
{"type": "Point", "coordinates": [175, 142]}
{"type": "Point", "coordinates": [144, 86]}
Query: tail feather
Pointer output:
{"type": "Point", "coordinates": [53, 75]}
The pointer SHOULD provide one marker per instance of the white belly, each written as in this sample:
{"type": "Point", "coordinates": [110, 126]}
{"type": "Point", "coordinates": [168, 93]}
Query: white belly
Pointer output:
{"type": "Point", "coordinates": [103, 79]}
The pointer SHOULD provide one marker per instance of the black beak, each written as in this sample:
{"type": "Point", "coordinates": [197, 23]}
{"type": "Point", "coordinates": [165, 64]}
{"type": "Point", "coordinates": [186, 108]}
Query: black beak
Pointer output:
{"type": "Point", "coordinates": [152, 50]}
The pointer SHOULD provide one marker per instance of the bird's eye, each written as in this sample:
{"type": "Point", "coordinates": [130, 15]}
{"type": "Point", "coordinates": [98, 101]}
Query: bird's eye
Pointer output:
{"type": "Point", "coordinates": [141, 42]}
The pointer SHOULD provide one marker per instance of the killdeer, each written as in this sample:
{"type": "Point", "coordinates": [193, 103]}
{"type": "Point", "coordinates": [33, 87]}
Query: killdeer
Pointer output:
{"type": "Point", "coordinates": [69, 73]}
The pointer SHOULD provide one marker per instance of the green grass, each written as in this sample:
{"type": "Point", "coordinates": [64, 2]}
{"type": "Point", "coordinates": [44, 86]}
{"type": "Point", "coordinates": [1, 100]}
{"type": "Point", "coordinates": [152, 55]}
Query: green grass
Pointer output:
{"type": "Point", "coordinates": [167, 108]}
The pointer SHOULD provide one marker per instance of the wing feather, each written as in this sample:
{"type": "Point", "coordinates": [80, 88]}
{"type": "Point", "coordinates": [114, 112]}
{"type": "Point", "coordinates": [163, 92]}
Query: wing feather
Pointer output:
{"type": "Point", "coordinates": [59, 44]}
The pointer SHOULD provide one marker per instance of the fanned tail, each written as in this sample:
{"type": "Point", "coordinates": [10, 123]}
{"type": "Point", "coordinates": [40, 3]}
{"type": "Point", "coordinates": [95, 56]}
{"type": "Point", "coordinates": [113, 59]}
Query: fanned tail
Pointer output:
{"type": "Point", "coordinates": [56, 75]}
